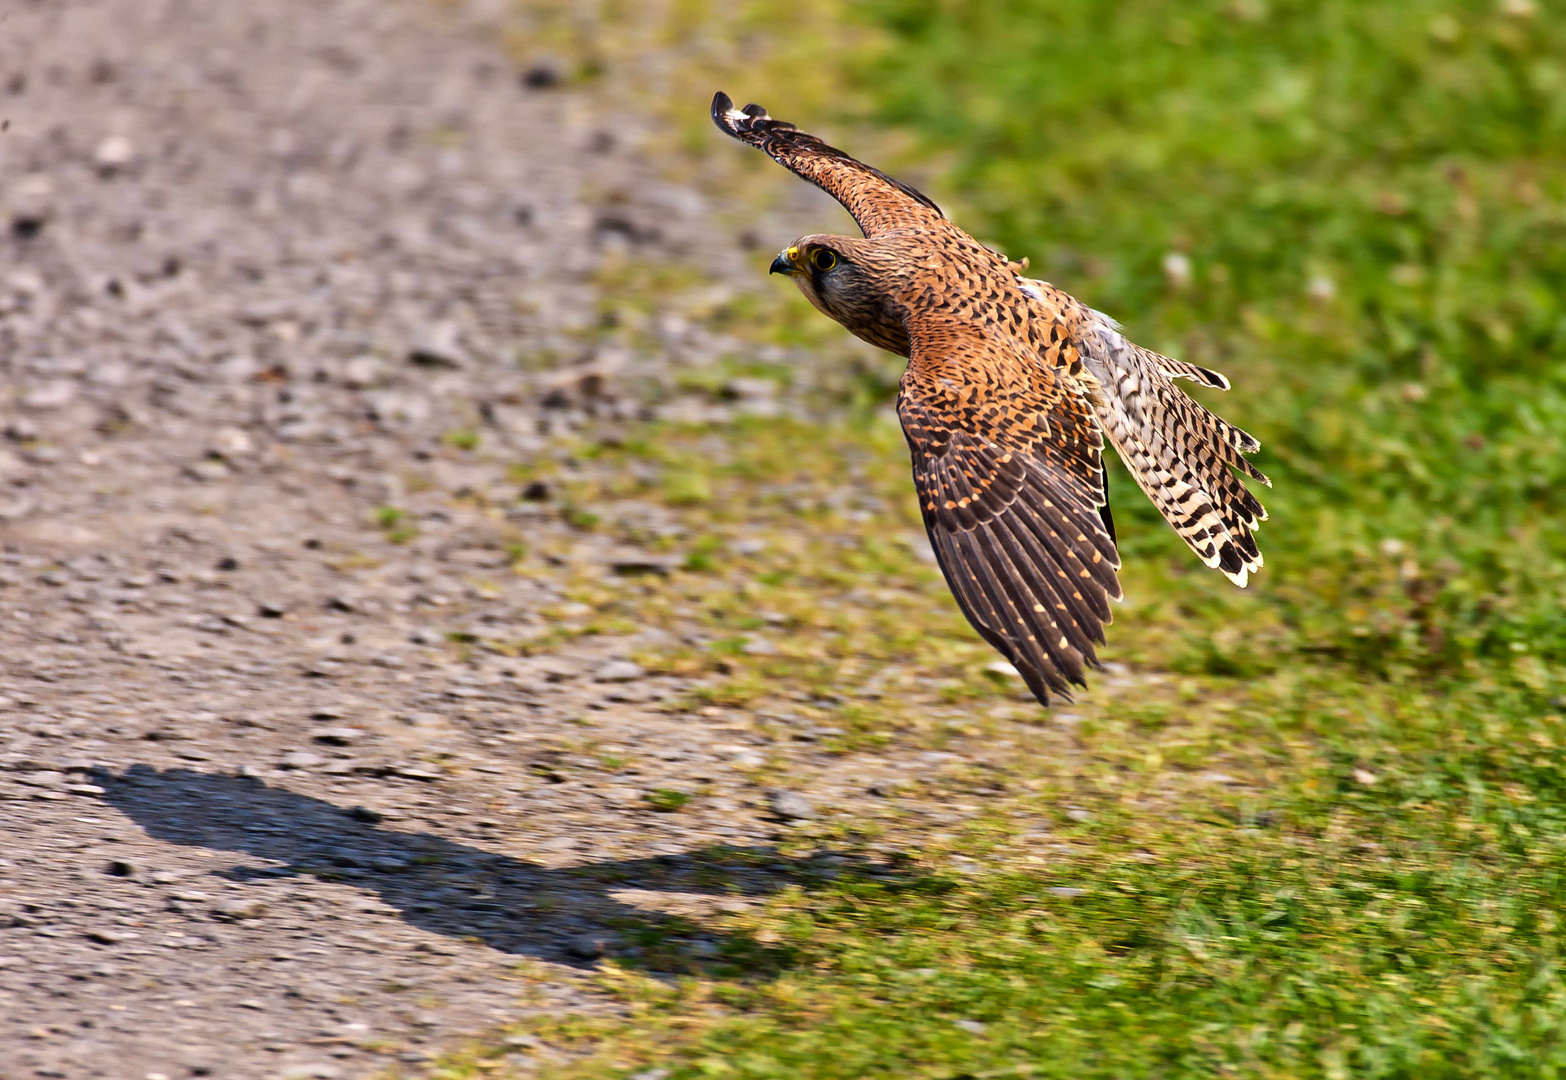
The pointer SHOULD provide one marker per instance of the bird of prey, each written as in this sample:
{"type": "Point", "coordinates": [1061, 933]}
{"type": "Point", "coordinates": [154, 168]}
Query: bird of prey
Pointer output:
{"type": "Point", "coordinates": [1010, 390]}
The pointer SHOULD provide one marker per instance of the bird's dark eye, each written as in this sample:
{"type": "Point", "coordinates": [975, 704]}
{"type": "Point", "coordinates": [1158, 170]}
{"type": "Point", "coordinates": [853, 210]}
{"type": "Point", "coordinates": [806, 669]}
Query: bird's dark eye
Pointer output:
{"type": "Point", "coordinates": [823, 259]}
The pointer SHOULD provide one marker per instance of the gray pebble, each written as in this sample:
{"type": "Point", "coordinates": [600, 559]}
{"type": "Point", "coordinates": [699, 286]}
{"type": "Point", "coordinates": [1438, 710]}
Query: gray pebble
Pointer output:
{"type": "Point", "coordinates": [51, 395]}
{"type": "Point", "coordinates": [234, 909]}
{"type": "Point", "coordinates": [791, 806]}
{"type": "Point", "coordinates": [642, 562]}
{"type": "Point", "coordinates": [619, 671]}
{"type": "Point", "coordinates": [440, 347]}
{"type": "Point", "coordinates": [338, 736]}
{"type": "Point", "coordinates": [113, 154]}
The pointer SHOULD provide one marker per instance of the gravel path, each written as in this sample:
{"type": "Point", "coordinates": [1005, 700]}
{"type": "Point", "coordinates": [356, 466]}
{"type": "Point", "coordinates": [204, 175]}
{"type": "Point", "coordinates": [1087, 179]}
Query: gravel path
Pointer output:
{"type": "Point", "coordinates": [261, 819]}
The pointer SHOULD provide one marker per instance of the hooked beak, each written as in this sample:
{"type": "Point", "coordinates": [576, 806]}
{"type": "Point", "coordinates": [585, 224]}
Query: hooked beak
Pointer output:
{"type": "Point", "coordinates": [786, 262]}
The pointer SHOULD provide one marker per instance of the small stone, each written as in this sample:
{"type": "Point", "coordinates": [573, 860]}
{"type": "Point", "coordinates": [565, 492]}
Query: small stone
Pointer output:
{"type": "Point", "coordinates": [973, 1027]}
{"type": "Point", "coordinates": [751, 389]}
{"type": "Point", "coordinates": [619, 671]}
{"type": "Point", "coordinates": [229, 443]}
{"type": "Point", "coordinates": [51, 395]}
{"type": "Point", "coordinates": [759, 647]}
{"type": "Point", "coordinates": [791, 806]}
{"type": "Point", "coordinates": [234, 909]}
{"type": "Point", "coordinates": [32, 204]}
{"type": "Point", "coordinates": [363, 372]}
{"type": "Point", "coordinates": [385, 865]}
{"type": "Point", "coordinates": [1003, 669]}
{"type": "Point", "coordinates": [1365, 777]}
{"type": "Point", "coordinates": [105, 935]}
{"type": "Point", "coordinates": [642, 562]}
{"type": "Point", "coordinates": [543, 74]}
{"type": "Point", "coordinates": [652, 1074]}
{"type": "Point", "coordinates": [440, 347]}
{"type": "Point", "coordinates": [207, 470]}
{"type": "Point", "coordinates": [1065, 892]}
{"type": "Point", "coordinates": [1076, 813]}
{"type": "Point", "coordinates": [365, 814]}
{"type": "Point", "coordinates": [338, 736]}
{"type": "Point", "coordinates": [312, 1072]}
{"type": "Point", "coordinates": [113, 154]}
{"type": "Point", "coordinates": [414, 772]}
{"type": "Point", "coordinates": [886, 786]}
{"type": "Point", "coordinates": [300, 759]}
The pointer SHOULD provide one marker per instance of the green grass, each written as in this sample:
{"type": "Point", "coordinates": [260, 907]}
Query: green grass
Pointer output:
{"type": "Point", "coordinates": [667, 800]}
{"type": "Point", "coordinates": [1327, 838]}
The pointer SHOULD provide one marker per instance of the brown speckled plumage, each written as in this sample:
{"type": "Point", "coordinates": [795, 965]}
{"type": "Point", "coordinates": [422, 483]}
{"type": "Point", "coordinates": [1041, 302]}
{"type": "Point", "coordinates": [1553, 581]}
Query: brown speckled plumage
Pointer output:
{"type": "Point", "coordinates": [1011, 388]}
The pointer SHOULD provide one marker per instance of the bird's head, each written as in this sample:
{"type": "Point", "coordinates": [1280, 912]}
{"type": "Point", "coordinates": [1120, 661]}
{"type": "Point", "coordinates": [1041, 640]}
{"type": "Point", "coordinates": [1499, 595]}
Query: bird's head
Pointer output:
{"type": "Point", "coordinates": [845, 281]}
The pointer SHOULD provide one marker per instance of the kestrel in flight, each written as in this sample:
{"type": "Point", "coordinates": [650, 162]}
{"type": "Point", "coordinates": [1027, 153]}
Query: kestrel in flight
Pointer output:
{"type": "Point", "coordinates": [1010, 389]}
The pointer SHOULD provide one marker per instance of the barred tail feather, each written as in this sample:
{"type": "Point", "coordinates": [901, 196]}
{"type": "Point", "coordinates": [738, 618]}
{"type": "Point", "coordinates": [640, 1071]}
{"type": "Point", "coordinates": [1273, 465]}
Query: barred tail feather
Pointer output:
{"type": "Point", "coordinates": [1182, 456]}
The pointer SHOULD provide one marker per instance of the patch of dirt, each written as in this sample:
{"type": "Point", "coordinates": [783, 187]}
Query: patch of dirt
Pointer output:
{"type": "Point", "coordinates": [286, 288]}
{"type": "Point", "coordinates": [258, 263]}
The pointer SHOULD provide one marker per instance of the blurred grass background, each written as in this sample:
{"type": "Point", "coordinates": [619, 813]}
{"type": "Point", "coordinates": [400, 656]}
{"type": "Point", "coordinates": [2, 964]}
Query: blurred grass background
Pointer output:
{"type": "Point", "coordinates": [1358, 213]}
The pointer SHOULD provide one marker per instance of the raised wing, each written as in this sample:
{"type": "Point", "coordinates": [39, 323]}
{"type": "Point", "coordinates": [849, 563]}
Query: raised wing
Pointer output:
{"type": "Point", "coordinates": [1007, 459]}
{"type": "Point", "coordinates": [877, 202]}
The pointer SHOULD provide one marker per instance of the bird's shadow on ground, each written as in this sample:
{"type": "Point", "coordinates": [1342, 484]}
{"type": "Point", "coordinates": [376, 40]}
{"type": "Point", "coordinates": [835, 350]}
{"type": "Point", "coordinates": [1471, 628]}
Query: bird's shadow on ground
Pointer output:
{"type": "Point", "coordinates": [565, 915]}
